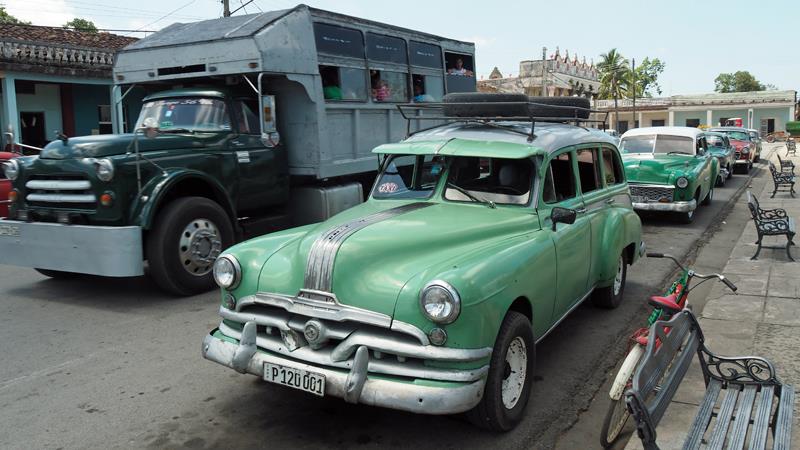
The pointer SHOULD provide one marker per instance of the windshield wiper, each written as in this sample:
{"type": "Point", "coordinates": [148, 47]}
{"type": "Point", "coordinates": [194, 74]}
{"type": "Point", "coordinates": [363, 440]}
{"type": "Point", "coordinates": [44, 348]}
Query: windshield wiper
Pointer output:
{"type": "Point", "coordinates": [488, 203]}
{"type": "Point", "coordinates": [177, 130]}
{"type": "Point", "coordinates": [676, 151]}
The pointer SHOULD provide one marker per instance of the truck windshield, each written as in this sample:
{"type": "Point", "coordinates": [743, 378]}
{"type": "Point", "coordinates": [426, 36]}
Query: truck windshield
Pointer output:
{"type": "Point", "coordinates": [409, 177]}
{"type": "Point", "coordinates": [192, 114]}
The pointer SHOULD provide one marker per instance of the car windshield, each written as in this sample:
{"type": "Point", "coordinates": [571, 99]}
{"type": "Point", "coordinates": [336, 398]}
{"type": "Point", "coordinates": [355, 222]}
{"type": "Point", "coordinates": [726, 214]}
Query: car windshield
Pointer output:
{"type": "Point", "coordinates": [500, 181]}
{"type": "Point", "coordinates": [186, 114]}
{"type": "Point", "coordinates": [738, 135]}
{"type": "Point", "coordinates": [409, 177]}
{"type": "Point", "coordinates": [661, 143]}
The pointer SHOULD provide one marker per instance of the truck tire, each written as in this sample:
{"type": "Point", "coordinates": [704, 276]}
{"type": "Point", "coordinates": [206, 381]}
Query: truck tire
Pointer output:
{"type": "Point", "coordinates": [472, 104]}
{"type": "Point", "coordinates": [57, 274]}
{"type": "Point", "coordinates": [562, 107]}
{"type": "Point", "coordinates": [188, 235]}
{"type": "Point", "coordinates": [510, 378]}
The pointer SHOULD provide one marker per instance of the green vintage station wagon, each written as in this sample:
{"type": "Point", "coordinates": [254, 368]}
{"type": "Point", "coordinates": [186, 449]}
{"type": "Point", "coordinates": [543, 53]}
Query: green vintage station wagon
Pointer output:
{"type": "Point", "coordinates": [669, 169]}
{"type": "Point", "coordinates": [479, 236]}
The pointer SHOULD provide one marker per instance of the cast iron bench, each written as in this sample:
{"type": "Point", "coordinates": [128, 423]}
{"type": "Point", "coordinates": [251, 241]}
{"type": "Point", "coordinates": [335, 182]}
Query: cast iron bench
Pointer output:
{"type": "Point", "coordinates": [771, 222]}
{"type": "Point", "coordinates": [784, 181]}
{"type": "Point", "coordinates": [755, 403]}
{"type": "Point", "coordinates": [786, 166]}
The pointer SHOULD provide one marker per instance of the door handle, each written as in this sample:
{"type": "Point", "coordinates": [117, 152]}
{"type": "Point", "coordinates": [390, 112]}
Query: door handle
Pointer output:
{"type": "Point", "coordinates": [610, 201]}
{"type": "Point", "coordinates": [580, 210]}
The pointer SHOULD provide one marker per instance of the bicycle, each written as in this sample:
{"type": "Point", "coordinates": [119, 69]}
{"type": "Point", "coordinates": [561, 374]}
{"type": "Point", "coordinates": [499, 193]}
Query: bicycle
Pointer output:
{"type": "Point", "coordinates": [664, 307]}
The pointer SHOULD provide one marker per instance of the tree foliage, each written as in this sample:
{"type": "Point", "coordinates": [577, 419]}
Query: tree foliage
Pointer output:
{"type": "Point", "coordinates": [613, 70]}
{"type": "Point", "coordinates": [5, 17]}
{"type": "Point", "coordinates": [646, 78]}
{"type": "Point", "coordinates": [79, 24]}
{"type": "Point", "coordinates": [739, 81]}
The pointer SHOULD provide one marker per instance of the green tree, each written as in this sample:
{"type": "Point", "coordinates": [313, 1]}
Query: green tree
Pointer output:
{"type": "Point", "coordinates": [646, 77]}
{"type": "Point", "coordinates": [79, 24]}
{"type": "Point", "coordinates": [5, 17]}
{"type": "Point", "coordinates": [613, 70]}
{"type": "Point", "coordinates": [739, 81]}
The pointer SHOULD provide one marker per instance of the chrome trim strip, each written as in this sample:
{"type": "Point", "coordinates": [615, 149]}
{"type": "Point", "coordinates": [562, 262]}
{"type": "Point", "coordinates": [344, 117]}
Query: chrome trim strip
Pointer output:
{"type": "Point", "coordinates": [312, 307]}
{"type": "Point", "coordinates": [407, 328]}
{"type": "Point", "coordinates": [643, 185]}
{"type": "Point", "coordinates": [319, 267]}
{"type": "Point", "coordinates": [578, 303]}
{"type": "Point", "coordinates": [669, 207]}
{"type": "Point", "coordinates": [59, 185]}
{"type": "Point", "coordinates": [61, 198]}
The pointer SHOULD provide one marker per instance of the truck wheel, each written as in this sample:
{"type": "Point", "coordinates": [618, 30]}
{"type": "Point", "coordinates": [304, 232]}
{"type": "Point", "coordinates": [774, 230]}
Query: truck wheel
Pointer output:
{"type": "Point", "coordinates": [508, 384]}
{"type": "Point", "coordinates": [610, 297]}
{"type": "Point", "coordinates": [57, 274]}
{"type": "Point", "coordinates": [187, 237]}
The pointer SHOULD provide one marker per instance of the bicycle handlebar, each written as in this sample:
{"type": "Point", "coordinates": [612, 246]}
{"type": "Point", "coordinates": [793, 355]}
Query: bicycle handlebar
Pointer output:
{"type": "Point", "coordinates": [721, 277]}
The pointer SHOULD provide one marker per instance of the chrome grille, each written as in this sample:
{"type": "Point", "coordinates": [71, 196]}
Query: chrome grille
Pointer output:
{"type": "Point", "coordinates": [738, 155]}
{"type": "Point", "coordinates": [60, 191]}
{"type": "Point", "coordinates": [651, 193]}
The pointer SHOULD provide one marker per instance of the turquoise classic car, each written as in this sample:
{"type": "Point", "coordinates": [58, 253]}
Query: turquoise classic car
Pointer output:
{"type": "Point", "coordinates": [477, 239]}
{"type": "Point", "coordinates": [721, 148]}
{"type": "Point", "coordinates": [669, 169]}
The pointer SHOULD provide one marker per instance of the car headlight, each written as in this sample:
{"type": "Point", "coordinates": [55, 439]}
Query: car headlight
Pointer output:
{"type": "Point", "coordinates": [745, 150]}
{"type": "Point", "coordinates": [11, 169]}
{"type": "Point", "coordinates": [105, 169]}
{"type": "Point", "coordinates": [682, 182]}
{"type": "Point", "coordinates": [227, 272]}
{"type": "Point", "coordinates": [440, 302]}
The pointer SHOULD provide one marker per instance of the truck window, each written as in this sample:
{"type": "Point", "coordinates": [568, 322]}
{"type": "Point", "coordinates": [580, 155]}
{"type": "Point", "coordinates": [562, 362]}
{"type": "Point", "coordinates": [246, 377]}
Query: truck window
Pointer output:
{"type": "Point", "coordinates": [340, 41]}
{"type": "Point", "coordinates": [425, 55]}
{"type": "Point", "coordinates": [386, 48]}
{"type": "Point", "coordinates": [460, 72]}
{"type": "Point", "coordinates": [343, 83]}
{"type": "Point", "coordinates": [246, 119]}
{"type": "Point", "coordinates": [427, 88]}
{"type": "Point", "coordinates": [388, 86]}
{"type": "Point", "coordinates": [188, 113]}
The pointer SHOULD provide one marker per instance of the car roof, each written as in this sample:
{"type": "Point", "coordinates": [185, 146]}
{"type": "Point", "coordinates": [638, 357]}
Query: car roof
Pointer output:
{"type": "Point", "coordinates": [672, 131]}
{"type": "Point", "coordinates": [743, 129]}
{"type": "Point", "coordinates": [478, 139]}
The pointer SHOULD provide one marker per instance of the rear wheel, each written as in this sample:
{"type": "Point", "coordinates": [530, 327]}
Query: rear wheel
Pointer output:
{"type": "Point", "coordinates": [187, 237]}
{"type": "Point", "coordinates": [709, 196]}
{"type": "Point", "coordinates": [57, 274]}
{"type": "Point", "coordinates": [610, 297]}
{"type": "Point", "coordinates": [508, 384]}
{"type": "Point", "coordinates": [730, 171]}
{"type": "Point", "coordinates": [721, 180]}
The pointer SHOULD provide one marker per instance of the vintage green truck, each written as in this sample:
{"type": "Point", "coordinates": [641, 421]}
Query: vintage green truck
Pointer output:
{"type": "Point", "coordinates": [250, 124]}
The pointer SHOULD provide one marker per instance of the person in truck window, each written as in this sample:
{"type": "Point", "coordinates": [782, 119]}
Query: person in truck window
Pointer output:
{"type": "Point", "coordinates": [380, 88]}
{"type": "Point", "coordinates": [420, 96]}
{"type": "Point", "coordinates": [330, 83]}
{"type": "Point", "coordinates": [459, 69]}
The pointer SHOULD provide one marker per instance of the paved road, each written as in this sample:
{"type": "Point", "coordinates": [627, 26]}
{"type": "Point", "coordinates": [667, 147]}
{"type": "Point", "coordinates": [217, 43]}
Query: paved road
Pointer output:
{"type": "Point", "coordinates": [104, 363]}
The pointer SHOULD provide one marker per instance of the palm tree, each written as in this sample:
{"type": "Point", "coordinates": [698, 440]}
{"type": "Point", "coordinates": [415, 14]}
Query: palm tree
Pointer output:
{"type": "Point", "coordinates": [613, 68]}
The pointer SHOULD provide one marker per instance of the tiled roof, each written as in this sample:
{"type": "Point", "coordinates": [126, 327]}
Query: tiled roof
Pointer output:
{"type": "Point", "coordinates": [61, 36]}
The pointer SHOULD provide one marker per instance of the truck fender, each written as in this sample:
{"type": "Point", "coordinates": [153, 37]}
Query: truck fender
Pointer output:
{"type": "Point", "coordinates": [158, 190]}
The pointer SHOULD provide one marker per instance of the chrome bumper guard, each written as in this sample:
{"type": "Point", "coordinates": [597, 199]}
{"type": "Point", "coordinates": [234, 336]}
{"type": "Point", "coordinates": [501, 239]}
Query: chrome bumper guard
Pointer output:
{"type": "Point", "coordinates": [352, 384]}
{"type": "Point", "coordinates": [742, 161]}
{"type": "Point", "coordinates": [668, 207]}
{"type": "Point", "coordinates": [724, 172]}
{"type": "Point", "coordinates": [95, 250]}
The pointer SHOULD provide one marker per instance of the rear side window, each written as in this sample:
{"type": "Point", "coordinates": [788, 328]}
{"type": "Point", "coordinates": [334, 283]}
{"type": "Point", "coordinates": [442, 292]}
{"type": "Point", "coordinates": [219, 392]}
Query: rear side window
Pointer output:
{"type": "Point", "coordinates": [343, 83]}
{"type": "Point", "coordinates": [588, 170]}
{"type": "Point", "coordinates": [612, 168]}
{"type": "Point", "coordinates": [559, 181]}
{"type": "Point", "coordinates": [339, 41]}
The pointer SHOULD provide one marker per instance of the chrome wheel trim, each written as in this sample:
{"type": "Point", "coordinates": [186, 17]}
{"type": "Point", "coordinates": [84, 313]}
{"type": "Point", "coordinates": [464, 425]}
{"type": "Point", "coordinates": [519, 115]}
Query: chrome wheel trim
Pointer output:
{"type": "Point", "coordinates": [516, 368]}
{"type": "Point", "coordinates": [198, 246]}
{"type": "Point", "coordinates": [618, 277]}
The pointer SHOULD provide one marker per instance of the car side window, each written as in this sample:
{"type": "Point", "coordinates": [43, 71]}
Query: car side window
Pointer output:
{"type": "Point", "coordinates": [559, 180]}
{"type": "Point", "coordinates": [588, 170]}
{"type": "Point", "coordinates": [612, 168]}
{"type": "Point", "coordinates": [701, 146]}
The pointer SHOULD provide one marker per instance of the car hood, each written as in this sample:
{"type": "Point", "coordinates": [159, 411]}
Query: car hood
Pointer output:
{"type": "Point", "coordinates": [649, 168]}
{"type": "Point", "coordinates": [372, 264]}
{"type": "Point", "coordinates": [116, 144]}
{"type": "Point", "coordinates": [738, 145]}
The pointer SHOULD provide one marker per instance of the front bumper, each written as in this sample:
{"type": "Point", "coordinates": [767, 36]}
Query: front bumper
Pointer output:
{"type": "Point", "coordinates": [95, 250]}
{"type": "Point", "coordinates": [743, 161]}
{"type": "Point", "coordinates": [682, 207]}
{"type": "Point", "coordinates": [352, 384]}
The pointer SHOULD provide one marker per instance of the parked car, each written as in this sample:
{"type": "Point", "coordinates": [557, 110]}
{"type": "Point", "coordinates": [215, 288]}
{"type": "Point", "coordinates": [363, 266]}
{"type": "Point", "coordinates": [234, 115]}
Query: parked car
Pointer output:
{"type": "Point", "coordinates": [5, 184]}
{"type": "Point", "coordinates": [669, 169]}
{"type": "Point", "coordinates": [755, 137]}
{"type": "Point", "coordinates": [477, 239]}
{"type": "Point", "coordinates": [745, 154]}
{"type": "Point", "coordinates": [720, 147]}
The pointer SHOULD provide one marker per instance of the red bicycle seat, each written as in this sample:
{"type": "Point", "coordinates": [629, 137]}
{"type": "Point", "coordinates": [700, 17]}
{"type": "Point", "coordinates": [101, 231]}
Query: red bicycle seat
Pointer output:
{"type": "Point", "coordinates": [669, 303]}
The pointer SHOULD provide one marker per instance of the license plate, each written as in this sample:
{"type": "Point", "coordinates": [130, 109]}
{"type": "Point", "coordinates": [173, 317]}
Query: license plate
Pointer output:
{"type": "Point", "coordinates": [638, 199]}
{"type": "Point", "coordinates": [295, 378]}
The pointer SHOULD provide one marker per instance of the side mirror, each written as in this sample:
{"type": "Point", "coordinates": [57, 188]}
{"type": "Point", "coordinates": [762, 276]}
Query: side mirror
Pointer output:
{"type": "Point", "coordinates": [562, 215]}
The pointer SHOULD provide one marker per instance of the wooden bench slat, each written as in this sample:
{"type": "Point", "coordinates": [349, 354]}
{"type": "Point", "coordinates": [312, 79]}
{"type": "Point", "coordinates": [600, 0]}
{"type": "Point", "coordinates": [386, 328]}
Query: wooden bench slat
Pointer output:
{"type": "Point", "coordinates": [723, 418]}
{"type": "Point", "coordinates": [783, 424]}
{"type": "Point", "coordinates": [742, 418]}
{"type": "Point", "coordinates": [695, 435]}
{"type": "Point", "coordinates": [758, 434]}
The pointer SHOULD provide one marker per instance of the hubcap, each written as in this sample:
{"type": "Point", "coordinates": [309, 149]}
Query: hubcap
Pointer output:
{"type": "Point", "coordinates": [515, 371]}
{"type": "Point", "coordinates": [618, 278]}
{"type": "Point", "coordinates": [199, 246]}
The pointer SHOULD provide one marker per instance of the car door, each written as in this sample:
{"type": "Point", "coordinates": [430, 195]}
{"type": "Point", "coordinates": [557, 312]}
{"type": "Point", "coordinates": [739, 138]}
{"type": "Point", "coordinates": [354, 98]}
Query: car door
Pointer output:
{"type": "Point", "coordinates": [595, 200]}
{"type": "Point", "coordinates": [572, 242]}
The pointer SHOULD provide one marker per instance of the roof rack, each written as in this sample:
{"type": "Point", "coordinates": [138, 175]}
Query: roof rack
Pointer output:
{"type": "Point", "coordinates": [417, 108]}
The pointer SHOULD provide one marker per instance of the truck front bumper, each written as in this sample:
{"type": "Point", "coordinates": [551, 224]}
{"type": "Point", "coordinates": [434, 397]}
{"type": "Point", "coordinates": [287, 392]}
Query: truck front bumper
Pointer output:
{"type": "Point", "coordinates": [94, 250]}
{"type": "Point", "coordinates": [682, 207]}
{"type": "Point", "coordinates": [353, 384]}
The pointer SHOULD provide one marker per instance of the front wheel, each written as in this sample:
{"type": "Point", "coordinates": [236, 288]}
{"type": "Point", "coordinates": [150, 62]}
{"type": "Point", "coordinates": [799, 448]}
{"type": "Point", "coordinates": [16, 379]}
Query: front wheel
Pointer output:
{"type": "Point", "coordinates": [610, 297]}
{"type": "Point", "coordinates": [187, 237]}
{"type": "Point", "coordinates": [508, 384]}
{"type": "Point", "coordinates": [730, 171]}
{"type": "Point", "coordinates": [709, 197]}
{"type": "Point", "coordinates": [721, 180]}
{"type": "Point", "coordinates": [616, 417]}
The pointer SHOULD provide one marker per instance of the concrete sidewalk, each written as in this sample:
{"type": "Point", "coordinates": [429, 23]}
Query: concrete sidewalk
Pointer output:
{"type": "Point", "coordinates": [762, 320]}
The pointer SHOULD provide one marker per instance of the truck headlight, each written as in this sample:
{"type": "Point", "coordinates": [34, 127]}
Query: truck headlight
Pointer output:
{"type": "Point", "coordinates": [11, 169]}
{"type": "Point", "coordinates": [105, 169]}
{"type": "Point", "coordinates": [682, 182]}
{"type": "Point", "coordinates": [227, 272]}
{"type": "Point", "coordinates": [440, 302]}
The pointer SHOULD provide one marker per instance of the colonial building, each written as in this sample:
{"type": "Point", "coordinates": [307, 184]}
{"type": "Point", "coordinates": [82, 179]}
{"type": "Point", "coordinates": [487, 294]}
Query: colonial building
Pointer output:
{"type": "Point", "coordinates": [58, 80]}
{"type": "Point", "coordinates": [767, 111]}
{"type": "Point", "coordinates": [556, 76]}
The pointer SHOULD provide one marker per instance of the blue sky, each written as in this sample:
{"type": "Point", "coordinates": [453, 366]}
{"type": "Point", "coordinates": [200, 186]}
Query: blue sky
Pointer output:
{"type": "Point", "coordinates": [696, 39]}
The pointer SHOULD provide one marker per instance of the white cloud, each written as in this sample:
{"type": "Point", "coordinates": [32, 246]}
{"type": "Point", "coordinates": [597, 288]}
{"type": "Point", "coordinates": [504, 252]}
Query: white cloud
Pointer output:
{"type": "Point", "coordinates": [53, 13]}
{"type": "Point", "coordinates": [480, 41]}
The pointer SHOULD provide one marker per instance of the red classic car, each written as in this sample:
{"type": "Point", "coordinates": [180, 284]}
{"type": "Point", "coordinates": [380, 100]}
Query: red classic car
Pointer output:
{"type": "Point", "coordinates": [5, 184]}
{"type": "Point", "coordinates": [744, 147]}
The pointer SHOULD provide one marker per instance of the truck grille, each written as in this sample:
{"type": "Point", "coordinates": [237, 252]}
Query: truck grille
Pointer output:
{"type": "Point", "coordinates": [651, 193]}
{"type": "Point", "coordinates": [60, 191]}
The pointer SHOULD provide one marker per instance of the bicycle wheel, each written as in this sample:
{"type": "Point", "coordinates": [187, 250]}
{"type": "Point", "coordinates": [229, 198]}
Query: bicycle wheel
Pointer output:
{"type": "Point", "coordinates": [617, 414]}
{"type": "Point", "coordinates": [616, 417]}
